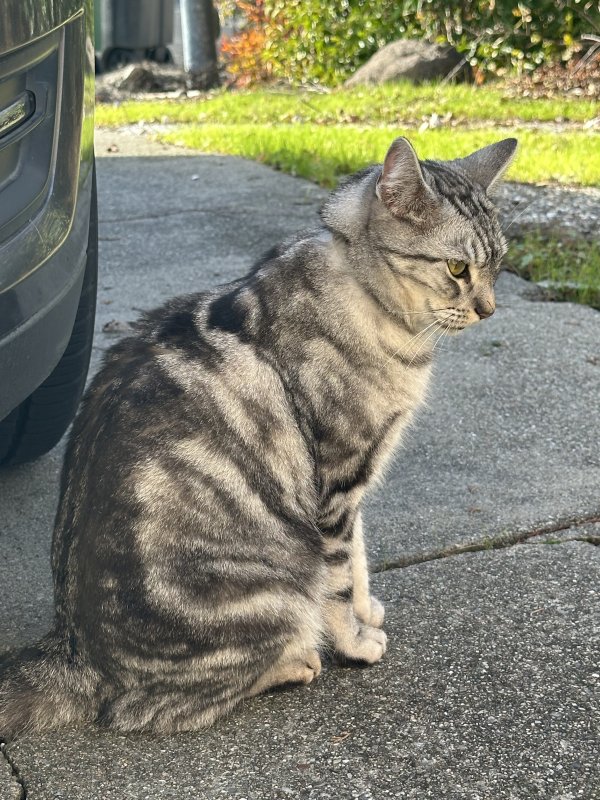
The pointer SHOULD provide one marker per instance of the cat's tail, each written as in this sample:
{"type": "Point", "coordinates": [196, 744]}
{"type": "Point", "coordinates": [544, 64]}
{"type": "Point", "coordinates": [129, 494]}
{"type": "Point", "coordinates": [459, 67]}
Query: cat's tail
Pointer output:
{"type": "Point", "coordinates": [42, 688]}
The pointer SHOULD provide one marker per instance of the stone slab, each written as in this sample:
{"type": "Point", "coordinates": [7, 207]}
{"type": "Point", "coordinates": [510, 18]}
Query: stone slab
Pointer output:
{"type": "Point", "coordinates": [490, 691]}
{"type": "Point", "coordinates": [486, 690]}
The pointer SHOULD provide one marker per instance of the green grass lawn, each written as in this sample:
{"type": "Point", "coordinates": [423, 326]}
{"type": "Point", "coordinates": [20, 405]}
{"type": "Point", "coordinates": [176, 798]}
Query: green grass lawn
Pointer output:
{"type": "Point", "coordinates": [568, 268]}
{"type": "Point", "coordinates": [323, 154]}
{"type": "Point", "coordinates": [322, 136]}
{"type": "Point", "coordinates": [390, 104]}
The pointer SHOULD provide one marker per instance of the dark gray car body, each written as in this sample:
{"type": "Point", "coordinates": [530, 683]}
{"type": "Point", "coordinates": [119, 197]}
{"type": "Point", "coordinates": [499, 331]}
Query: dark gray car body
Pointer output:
{"type": "Point", "coordinates": [46, 177]}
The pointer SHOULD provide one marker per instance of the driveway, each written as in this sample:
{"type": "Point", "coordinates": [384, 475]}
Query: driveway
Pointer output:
{"type": "Point", "coordinates": [483, 539]}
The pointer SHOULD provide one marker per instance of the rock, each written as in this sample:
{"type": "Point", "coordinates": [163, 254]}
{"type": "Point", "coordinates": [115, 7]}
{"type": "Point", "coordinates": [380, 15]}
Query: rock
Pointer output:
{"type": "Point", "coordinates": [136, 80]}
{"type": "Point", "coordinates": [412, 60]}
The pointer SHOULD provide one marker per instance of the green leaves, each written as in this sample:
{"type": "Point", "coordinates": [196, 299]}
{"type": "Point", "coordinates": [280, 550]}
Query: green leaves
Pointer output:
{"type": "Point", "coordinates": [327, 40]}
{"type": "Point", "coordinates": [567, 268]}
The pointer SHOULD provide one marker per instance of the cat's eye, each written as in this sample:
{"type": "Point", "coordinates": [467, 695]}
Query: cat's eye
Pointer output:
{"type": "Point", "coordinates": [457, 267]}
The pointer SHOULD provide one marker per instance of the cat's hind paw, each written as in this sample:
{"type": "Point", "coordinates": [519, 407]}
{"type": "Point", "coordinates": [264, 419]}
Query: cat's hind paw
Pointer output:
{"type": "Point", "coordinates": [313, 665]}
{"type": "Point", "coordinates": [298, 670]}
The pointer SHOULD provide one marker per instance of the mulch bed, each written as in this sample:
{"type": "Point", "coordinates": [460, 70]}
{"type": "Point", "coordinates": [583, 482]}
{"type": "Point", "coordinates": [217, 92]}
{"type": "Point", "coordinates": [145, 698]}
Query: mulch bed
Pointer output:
{"type": "Point", "coordinates": [579, 77]}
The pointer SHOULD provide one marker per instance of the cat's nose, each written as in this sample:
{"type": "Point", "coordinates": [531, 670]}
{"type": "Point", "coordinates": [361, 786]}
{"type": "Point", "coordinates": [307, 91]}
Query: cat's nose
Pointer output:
{"type": "Point", "coordinates": [484, 308]}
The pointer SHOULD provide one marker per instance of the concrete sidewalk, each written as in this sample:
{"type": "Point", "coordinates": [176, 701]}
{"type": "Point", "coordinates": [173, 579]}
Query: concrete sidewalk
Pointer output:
{"type": "Point", "coordinates": [483, 539]}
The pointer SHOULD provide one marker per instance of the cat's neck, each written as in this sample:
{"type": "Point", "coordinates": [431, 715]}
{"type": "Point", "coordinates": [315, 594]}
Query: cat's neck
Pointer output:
{"type": "Point", "coordinates": [314, 303]}
{"type": "Point", "coordinates": [355, 372]}
{"type": "Point", "coordinates": [355, 296]}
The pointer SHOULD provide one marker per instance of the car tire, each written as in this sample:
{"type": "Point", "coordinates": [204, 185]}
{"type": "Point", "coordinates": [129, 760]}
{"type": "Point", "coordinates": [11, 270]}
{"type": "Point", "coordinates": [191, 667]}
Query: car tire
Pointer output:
{"type": "Point", "coordinates": [38, 423]}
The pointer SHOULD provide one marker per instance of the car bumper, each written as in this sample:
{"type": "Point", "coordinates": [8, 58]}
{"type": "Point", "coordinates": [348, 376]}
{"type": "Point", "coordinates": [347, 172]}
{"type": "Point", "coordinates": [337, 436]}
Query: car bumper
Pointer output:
{"type": "Point", "coordinates": [45, 189]}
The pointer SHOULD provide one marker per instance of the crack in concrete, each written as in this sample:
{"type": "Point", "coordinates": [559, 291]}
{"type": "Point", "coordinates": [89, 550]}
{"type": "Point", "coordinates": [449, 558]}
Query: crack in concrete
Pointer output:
{"type": "Point", "coordinates": [595, 540]}
{"type": "Point", "coordinates": [224, 212]}
{"type": "Point", "coordinates": [496, 543]}
{"type": "Point", "coordinates": [18, 779]}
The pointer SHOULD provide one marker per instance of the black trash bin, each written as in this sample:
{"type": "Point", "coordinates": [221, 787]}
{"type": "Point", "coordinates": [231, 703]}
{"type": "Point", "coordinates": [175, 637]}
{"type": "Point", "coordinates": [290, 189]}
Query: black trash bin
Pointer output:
{"type": "Point", "coordinates": [131, 30]}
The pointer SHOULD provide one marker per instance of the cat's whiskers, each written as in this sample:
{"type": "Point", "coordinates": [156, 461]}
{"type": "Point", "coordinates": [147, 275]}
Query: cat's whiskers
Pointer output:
{"type": "Point", "coordinates": [424, 342]}
{"type": "Point", "coordinates": [440, 337]}
{"type": "Point", "coordinates": [431, 311]}
{"type": "Point", "coordinates": [414, 340]}
{"type": "Point", "coordinates": [519, 215]}
{"type": "Point", "coordinates": [415, 346]}
{"type": "Point", "coordinates": [419, 340]}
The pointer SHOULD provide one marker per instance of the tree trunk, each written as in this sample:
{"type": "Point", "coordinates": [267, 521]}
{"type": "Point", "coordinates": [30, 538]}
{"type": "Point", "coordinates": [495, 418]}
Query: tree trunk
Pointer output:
{"type": "Point", "coordinates": [200, 29]}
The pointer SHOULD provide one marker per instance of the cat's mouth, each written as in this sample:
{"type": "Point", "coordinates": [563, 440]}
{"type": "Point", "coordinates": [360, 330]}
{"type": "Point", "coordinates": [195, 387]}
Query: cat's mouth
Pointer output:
{"type": "Point", "coordinates": [453, 327]}
{"type": "Point", "coordinates": [451, 322]}
{"type": "Point", "coordinates": [452, 330]}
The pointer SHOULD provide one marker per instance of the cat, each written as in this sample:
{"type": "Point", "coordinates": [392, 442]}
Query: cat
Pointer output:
{"type": "Point", "coordinates": [208, 543]}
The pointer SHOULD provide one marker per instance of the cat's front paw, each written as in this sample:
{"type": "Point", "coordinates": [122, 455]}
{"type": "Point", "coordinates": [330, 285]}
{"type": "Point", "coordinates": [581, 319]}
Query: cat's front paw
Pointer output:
{"type": "Point", "coordinates": [373, 614]}
{"type": "Point", "coordinates": [367, 645]}
{"type": "Point", "coordinates": [377, 613]}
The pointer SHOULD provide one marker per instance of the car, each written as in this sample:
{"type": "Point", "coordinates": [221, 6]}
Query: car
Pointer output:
{"type": "Point", "coordinates": [48, 220]}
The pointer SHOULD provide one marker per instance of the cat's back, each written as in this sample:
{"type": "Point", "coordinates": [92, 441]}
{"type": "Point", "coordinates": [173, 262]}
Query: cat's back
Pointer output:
{"type": "Point", "coordinates": [181, 375]}
{"type": "Point", "coordinates": [185, 444]}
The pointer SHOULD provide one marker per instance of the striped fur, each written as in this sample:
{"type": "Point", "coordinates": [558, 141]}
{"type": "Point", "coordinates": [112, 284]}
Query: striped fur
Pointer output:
{"type": "Point", "coordinates": [208, 543]}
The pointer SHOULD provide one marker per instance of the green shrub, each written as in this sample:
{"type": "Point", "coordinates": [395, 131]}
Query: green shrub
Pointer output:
{"type": "Point", "coordinates": [327, 40]}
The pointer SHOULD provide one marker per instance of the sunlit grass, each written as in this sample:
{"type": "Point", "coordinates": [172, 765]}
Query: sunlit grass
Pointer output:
{"type": "Point", "coordinates": [569, 268]}
{"type": "Point", "coordinates": [323, 137]}
{"type": "Point", "coordinates": [324, 154]}
{"type": "Point", "coordinates": [382, 105]}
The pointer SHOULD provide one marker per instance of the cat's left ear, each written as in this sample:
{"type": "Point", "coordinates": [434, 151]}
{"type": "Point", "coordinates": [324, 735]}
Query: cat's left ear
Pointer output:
{"type": "Point", "coordinates": [485, 166]}
{"type": "Point", "coordinates": [401, 185]}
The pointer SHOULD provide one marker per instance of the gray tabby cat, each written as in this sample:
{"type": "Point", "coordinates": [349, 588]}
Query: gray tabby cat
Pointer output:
{"type": "Point", "coordinates": [208, 543]}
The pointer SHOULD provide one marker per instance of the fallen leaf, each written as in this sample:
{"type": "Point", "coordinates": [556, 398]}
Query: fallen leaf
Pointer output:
{"type": "Point", "coordinates": [116, 326]}
{"type": "Point", "coordinates": [341, 738]}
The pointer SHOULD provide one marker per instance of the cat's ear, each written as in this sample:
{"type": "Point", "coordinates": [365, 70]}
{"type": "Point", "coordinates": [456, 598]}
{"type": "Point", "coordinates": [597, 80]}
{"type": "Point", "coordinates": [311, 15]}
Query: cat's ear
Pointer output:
{"type": "Point", "coordinates": [485, 166]}
{"type": "Point", "coordinates": [401, 185]}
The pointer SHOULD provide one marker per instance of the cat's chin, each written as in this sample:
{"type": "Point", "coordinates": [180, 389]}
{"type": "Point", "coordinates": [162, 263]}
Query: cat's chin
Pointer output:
{"type": "Point", "coordinates": [452, 330]}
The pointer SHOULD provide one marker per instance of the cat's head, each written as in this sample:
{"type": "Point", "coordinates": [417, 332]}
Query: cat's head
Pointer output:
{"type": "Point", "coordinates": [444, 223]}
{"type": "Point", "coordinates": [436, 233]}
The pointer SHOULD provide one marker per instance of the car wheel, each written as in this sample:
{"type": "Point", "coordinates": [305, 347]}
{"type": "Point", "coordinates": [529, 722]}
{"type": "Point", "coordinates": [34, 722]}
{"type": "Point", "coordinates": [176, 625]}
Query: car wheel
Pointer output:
{"type": "Point", "coordinates": [37, 424]}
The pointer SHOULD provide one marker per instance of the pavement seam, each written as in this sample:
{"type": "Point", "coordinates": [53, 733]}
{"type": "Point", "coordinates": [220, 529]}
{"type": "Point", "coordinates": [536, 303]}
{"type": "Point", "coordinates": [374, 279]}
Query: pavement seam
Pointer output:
{"type": "Point", "coordinates": [223, 212]}
{"type": "Point", "coordinates": [15, 772]}
{"type": "Point", "coordinates": [595, 540]}
{"type": "Point", "coordinates": [498, 543]}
